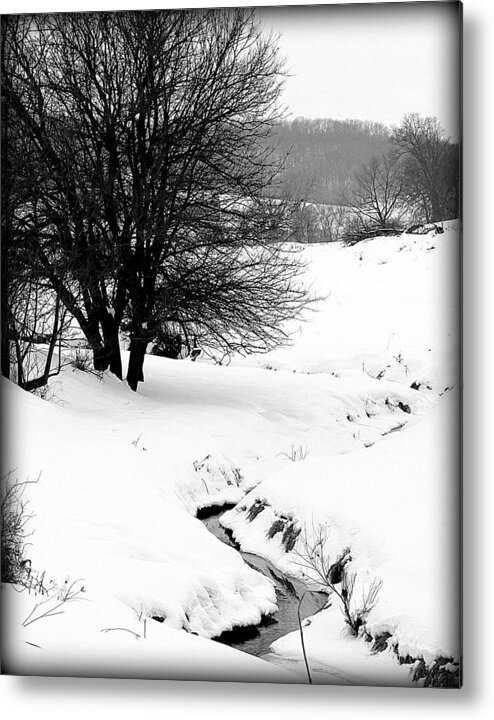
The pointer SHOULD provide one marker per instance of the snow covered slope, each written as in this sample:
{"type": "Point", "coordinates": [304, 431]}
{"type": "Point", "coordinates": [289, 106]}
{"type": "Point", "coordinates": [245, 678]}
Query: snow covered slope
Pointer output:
{"type": "Point", "coordinates": [352, 426]}
{"type": "Point", "coordinates": [390, 309]}
{"type": "Point", "coordinates": [396, 506]}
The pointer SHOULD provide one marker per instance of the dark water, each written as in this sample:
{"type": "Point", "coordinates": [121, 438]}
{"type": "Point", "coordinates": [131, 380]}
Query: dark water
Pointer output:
{"type": "Point", "coordinates": [256, 639]}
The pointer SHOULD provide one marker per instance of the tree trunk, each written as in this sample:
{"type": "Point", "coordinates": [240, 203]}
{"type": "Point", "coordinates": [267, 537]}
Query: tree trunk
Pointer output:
{"type": "Point", "coordinates": [5, 341]}
{"type": "Point", "coordinates": [41, 381]}
{"type": "Point", "coordinates": [436, 209]}
{"type": "Point", "coordinates": [137, 353]}
{"type": "Point", "coordinates": [4, 292]}
{"type": "Point", "coordinates": [110, 353]}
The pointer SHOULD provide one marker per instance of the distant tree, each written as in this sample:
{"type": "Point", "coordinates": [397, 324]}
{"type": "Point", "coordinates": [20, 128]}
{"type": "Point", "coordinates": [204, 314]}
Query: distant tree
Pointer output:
{"type": "Point", "coordinates": [431, 166]}
{"type": "Point", "coordinates": [377, 196]}
{"type": "Point", "coordinates": [152, 131]}
{"type": "Point", "coordinates": [323, 155]}
{"type": "Point", "coordinates": [318, 223]}
{"type": "Point", "coordinates": [450, 182]}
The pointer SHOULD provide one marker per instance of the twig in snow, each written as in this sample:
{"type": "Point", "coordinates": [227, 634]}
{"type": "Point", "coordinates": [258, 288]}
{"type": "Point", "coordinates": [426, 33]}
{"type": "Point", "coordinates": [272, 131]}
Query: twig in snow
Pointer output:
{"type": "Point", "coordinates": [136, 635]}
{"type": "Point", "coordinates": [302, 639]}
{"type": "Point", "coordinates": [61, 596]}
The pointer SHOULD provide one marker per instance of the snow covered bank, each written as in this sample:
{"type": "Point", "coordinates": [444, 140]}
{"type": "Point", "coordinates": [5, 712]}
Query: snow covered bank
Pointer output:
{"type": "Point", "coordinates": [108, 511]}
{"type": "Point", "coordinates": [395, 503]}
{"type": "Point", "coordinates": [354, 431]}
{"type": "Point", "coordinates": [121, 476]}
{"type": "Point", "coordinates": [98, 636]}
{"type": "Point", "coordinates": [390, 309]}
{"type": "Point", "coordinates": [336, 657]}
{"type": "Point", "coordinates": [396, 506]}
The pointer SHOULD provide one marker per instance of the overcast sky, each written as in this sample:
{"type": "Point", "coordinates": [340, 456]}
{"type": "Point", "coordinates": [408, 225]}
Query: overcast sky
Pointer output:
{"type": "Point", "coordinates": [371, 62]}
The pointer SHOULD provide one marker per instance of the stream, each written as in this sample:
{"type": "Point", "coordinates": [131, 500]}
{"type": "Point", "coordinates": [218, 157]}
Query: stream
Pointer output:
{"type": "Point", "coordinates": [256, 639]}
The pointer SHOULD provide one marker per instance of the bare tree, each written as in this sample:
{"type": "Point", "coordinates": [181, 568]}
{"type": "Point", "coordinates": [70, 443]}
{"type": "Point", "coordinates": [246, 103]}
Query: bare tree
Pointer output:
{"type": "Point", "coordinates": [431, 166]}
{"type": "Point", "coordinates": [53, 223]}
{"type": "Point", "coordinates": [33, 317]}
{"type": "Point", "coordinates": [38, 324]}
{"type": "Point", "coordinates": [376, 199]}
{"type": "Point", "coordinates": [378, 193]}
{"type": "Point", "coordinates": [232, 300]}
{"type": "Point", "coordinates": [153, 129]}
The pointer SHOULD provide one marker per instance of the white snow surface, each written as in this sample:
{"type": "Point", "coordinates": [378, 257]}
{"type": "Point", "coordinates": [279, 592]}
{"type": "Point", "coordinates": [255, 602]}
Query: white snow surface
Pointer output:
{"type": "Point", "coordinates": [98, 636]}
{"type": "Point", "coordinates": [396, 506]}
{"type": "Point", "coordinates": [121, 476]}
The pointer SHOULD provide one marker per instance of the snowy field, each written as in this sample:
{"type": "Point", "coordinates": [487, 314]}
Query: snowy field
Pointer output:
{"type": "Point", "coordinates": [352, 429]}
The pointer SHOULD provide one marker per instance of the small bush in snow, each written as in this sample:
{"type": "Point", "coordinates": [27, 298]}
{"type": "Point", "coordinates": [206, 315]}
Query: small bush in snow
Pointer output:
{"type": "Point", "coordinates": [256, 508]}
{"type": "Point", "coordinates": [15, 516]}
{"type": "Point", "coordinates": [290, 535]}
{"type": "Point", "coordinates": [277, 527]}
{"type": "Point", "coordinates": [83, 361]}
{"type": "Point", "coordinates": [286, 526]}
{"type": "Point", "coordinates": [313, 558]}
{"type": "Point", "coordinates": [296, 453]}
{"type": "Point", "coordinates": [441, 673]}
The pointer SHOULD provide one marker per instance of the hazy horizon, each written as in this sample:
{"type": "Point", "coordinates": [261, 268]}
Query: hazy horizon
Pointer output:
{"type": "Point", "coordinates": [372, 63]}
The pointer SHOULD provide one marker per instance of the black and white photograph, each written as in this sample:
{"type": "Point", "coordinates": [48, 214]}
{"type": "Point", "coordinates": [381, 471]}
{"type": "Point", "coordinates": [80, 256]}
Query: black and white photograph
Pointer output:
{"type": "Point", "coordinates": [231, 243]}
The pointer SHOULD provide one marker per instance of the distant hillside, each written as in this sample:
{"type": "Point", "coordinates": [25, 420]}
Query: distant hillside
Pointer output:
{"type": "Point", "coordinates": [324, 154]}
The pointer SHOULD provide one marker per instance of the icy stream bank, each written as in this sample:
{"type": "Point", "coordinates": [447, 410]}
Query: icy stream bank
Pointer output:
{"type": "Point", "coordinates": [257, 639]}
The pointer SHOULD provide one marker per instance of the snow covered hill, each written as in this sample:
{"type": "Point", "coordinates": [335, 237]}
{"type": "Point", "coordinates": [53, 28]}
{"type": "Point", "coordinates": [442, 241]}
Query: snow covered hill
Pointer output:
{"type": "Point", "coordinates": [352, 428]}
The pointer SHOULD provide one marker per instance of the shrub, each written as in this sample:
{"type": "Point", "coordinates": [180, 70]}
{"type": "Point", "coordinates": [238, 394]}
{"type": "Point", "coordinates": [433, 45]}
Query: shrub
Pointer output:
{"type": "Point", "coordinates": [443, 672]}
{"type": "Point", "coordinates": [358, 229]}
{"type": "Point", "coordinates": [83, 359]}
{"type": "Point", "coordinates": [256, 508]}
{"type": "Point", "coordinates": [277, 527]}
{"type": "Point", "coordinates": [313, 558]}
{"type": "Point", "coordinates": [16, 567]}
{"type": "Point", "coordinates": [296, 453]}
{"type": "Point", "coordinates": [168, 344]}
